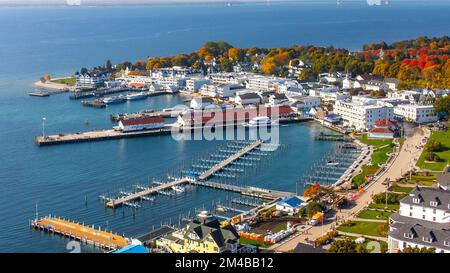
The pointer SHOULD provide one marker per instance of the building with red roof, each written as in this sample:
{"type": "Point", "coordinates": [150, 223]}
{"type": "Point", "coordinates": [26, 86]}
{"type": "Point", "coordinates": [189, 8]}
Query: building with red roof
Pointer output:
{"type": "Point", "coordinates": [234, 115]}
{"type": "Point", "coordinates": [129, 125]}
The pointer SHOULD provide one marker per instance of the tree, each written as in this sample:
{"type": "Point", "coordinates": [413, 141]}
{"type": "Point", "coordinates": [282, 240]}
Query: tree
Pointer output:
{"type": "Point", "coordinates": [46, 77]}
{"type": "Point", "coordinates": [236, 54]}
{"type": "Point", "coordinates": [343, 246]}
{"type": "Point", "coordinates": [312, 190]}
{"type": "Point", "coordinates": [442, 105]}
{"type": "Point", "coordinates": [416, 249]}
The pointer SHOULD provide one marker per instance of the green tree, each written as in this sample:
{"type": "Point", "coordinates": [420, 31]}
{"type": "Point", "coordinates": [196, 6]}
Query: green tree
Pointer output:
{"type": "Point", "coordinates": [416, 249]}
{"type": "Point", "coordinates": [343, 246]}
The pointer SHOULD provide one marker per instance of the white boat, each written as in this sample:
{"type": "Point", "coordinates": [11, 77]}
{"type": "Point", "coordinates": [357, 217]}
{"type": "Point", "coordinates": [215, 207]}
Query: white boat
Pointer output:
{"type": "Point", "coordinates": [136, 96]}
{"type": "Point", "coordinates": [332, 163]}
{"type": "Point", "coordinates": [114, 100]}
{"type": "Point", "coordinates": [179, 189]}
{"type": "Point", "coordinates": [260, 121]}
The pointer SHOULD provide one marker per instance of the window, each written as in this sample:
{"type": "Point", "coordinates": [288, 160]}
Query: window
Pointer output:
{"type": "Point", "coordinates": [423, 216]}
{"type": "Point", "coordinates": [433, 203]}
{"type": "Point", "coordinates": [446, 243]}
{"type": "Point", "coordinates": [408, 235]}
{"type": "Point", "coordinates": [427, 239]}
{"type": "Point", "coordinates": [410, 214]}
{"type": "Point", "coordinates": [416, 200]}
{"type": "Point", "coordinates": [434, 219]}
{"type": "Point", "coordinates": [434, 211]}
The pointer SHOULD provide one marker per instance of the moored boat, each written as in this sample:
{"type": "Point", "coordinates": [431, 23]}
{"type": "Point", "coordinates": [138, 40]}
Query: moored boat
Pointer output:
{"type": "Point", "coordinates": [136, 96]}
{"type": "Point", "coordinates": [260, 121]}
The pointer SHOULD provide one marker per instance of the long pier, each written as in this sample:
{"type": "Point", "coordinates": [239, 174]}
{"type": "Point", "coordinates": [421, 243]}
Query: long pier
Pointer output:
{"type": "Point", "coordinates": [125, 199]}
{"type": "Point", "coordinates": [229, 160]}
{"type": "Point", "coordinates": [79, 232]}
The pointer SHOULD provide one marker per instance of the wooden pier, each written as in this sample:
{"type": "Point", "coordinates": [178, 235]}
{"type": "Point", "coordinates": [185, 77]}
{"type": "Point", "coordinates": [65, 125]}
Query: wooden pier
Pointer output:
{"type": "Point", "coordinates": [125, 199]}
{"type": "Point", "coordinates": [229, 160]}
{"type": "Point", "coordinates": [79, 232]}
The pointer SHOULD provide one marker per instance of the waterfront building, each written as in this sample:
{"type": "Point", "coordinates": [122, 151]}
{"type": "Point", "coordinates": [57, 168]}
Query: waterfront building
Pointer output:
{"type": "Point", "coordinates": [129, 125]}
{"type": "Point", "coordinates": [305, 103]}
{"type": "Point", "coordinates": [362, 112]}
{"type": "Point", "coordinates": [233, 116]}
{"type": "Point", "coordinates": [290, 205]}
{"type": "Point", "coordinates": [384, 129]}
{"type": "Point", "coordinates": [194, 84]}
{"type": "Point", "coordinates": [278, 99]}
{"type": "Point", "coordinates": [205, 235]}
{"type": "Point", "coordinates": [416, 113]}
{"type": "Point", "coordinates": [228, 77]}
{"type": "Point", "coordinates": [262, 83]}
{"type": "Point", "coordinates": [198, 103]}
{"type": "Point", "coordinates": [91, 79]}
{"type": "Point", "coordinates": [176, 82]}
{"type": "Point", "coordinates": [423, 220]}
{"type": "Point", "coordinates": [247, 98]}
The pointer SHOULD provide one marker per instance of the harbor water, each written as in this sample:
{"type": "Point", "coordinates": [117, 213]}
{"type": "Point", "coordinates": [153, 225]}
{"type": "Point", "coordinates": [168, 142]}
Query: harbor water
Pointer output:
{"type": "Point", "coordinates": [66, 180]}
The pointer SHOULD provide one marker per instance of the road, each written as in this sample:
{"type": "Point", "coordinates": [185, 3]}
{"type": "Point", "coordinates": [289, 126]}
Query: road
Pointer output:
{"type": "Point", "coordinates": [403, 161]}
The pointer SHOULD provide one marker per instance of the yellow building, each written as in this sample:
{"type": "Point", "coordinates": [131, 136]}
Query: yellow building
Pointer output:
{"type": "Point", "coordinates": [202, 236]}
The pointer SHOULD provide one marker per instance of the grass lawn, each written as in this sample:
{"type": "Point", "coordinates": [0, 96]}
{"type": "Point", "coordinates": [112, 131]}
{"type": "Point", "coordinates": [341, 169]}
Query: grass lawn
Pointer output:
{"type": "Point", "coordinates": [420, 179]}
{"type": "Point", "coordinates": [381, 148]}
{"type": "Point", "coordinates": [401, 189]}
{"type": "Point", "coordinates": [364, 228]}
{"type": "Point", "coordinates": [69, 81]}
{"type": "Point", "coordinates": [382, 206]}
{"type": "Point", "coordinates": [383, 244]}
{"type": "Point", "coordinates": [444, 138]}
{"type": "Point", "coordinates": [372, 214]}
{"type": "Point", "coordinates": [246, 241]}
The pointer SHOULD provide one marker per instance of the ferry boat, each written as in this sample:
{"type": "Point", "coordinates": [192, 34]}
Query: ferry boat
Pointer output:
{"type": "Point", "coordinates": [136, 96]}
{"type": "Point", "coordinates": [260, 121]}
{"type": "Point", "coordinates": [114, 100]}
{"type": "Point", "coordinates": [179, 189]}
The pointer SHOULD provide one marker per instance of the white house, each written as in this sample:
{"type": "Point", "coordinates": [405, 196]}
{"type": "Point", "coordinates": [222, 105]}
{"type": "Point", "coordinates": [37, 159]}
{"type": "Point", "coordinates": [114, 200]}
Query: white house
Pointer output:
{"type": "Point", "coordinates": [423, 220]}
{"type": "Point", "coordinates": [198, 103]}
{"type": "Point", "coordinates": [416, 113]}
{"type": "Point", "coordinates": [278, 99]}
{"type": "Point", "coordinates": [129, 125]}
{"type": "Point", "coordinates": [362, 112]}
{"type": "Point", "coordinates": [91, 80]}
{"type": "Point", "coordinates": [290, 204]}
{"type": "Point", "coordinates": [247, 98]}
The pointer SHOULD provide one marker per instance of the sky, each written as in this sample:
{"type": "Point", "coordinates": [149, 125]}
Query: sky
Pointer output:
{"type": "Point", "coordinates": [92, 2]}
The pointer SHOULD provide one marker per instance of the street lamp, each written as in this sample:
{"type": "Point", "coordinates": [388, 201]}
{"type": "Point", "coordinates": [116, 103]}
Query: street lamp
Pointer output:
{"type": "Point", "coordinates": [43, 127]}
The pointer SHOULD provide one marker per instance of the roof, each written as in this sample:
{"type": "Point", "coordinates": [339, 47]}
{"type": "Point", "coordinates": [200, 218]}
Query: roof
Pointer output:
{"type": "Point", "coordinates": [417, 233]}
{"type": "Point", "coordinates": [279, 96]}
{"type": "Point", "coordinates": [149, 120]}
{"type": "Point", "coordinates": [293, 201]}
{"type": "Point", "coordinates": [203, 99]}
{"type": "Point", "coordinates": [381, 131]}
{"type": "Point", "coordinates": [212, 227]}
{"type": "Point", "coordinates": [384, 123]}
{"type": "Point", "coordinates": [237, 114]}
{"type": "Point", "coordinates": [132, 249]}
{"type": "Point", "coordinates": [332, 116]}
{"type": "Point", "coordinates": [443, 179]}
{"type": "Point", "coordinates": [427, 195]}
{"type": "Point", "coordinates": [247, 96]}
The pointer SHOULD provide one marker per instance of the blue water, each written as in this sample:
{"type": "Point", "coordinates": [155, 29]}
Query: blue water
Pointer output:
{"type": "Point", "coordinates": [60, 40]}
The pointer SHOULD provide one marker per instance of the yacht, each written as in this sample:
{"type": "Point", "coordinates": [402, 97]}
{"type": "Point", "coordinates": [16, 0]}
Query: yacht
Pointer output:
{"type": "Point", "coordinates": [179, 189]}
{"type": "Point", "coordinates": [136, 96]}
{"type": "Point", "coordinates": [332, 163]}
{"type": "Point", "coordinates": [260, 121]}
{"type": "Point", "coordinates": [114, 100]}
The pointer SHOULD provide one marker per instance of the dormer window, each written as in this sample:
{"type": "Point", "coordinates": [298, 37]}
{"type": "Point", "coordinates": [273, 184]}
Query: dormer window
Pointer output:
{"type": "Point", "coordinates": [433, 203]}
{"type": "Point", "coordinates": [447, 243]}
{"type": "Point", "coordinates": [416, 200]}
{"type": "Point", "coordinates": [427, 239]}
{"type": "Point", "coordinates": [408, 235]}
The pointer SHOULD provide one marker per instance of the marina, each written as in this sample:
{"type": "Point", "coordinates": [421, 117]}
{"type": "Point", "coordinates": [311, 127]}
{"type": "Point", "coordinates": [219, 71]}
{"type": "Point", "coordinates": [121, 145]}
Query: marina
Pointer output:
{"type": "Point", "coordinates": [199, 179]}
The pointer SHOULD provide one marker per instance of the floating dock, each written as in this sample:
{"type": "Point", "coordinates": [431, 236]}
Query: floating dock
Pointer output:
{"type": "Point", "coordinates": [79, 232]}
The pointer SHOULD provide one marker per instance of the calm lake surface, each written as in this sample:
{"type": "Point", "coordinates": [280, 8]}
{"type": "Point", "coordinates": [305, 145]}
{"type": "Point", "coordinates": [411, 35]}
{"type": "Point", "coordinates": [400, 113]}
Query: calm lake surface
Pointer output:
{"type": "Point", "coordinates": [66, 180]}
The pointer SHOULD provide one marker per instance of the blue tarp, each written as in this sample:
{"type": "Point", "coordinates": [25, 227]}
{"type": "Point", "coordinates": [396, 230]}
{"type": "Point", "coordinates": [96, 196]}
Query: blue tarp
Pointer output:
{"type": "Point", "coordinates": [294, 202]}
{"type": "Point", "coordinates": [132, 249]}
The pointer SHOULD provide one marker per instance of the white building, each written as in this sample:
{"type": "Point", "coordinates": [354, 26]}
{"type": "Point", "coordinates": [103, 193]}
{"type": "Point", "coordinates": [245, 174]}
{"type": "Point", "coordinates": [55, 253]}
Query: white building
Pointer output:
{"type": "Point", "coordinates": [305, 103]}
{"type": "Point", "coordinates": [416, 113]}
{"type": "Point", "coordinates": [198, 103]}
{"type": "Point", "coordinates": [247, 98]}
{"type": "Point", "coordinates": [130, 125]}
{"type": "Point", "coordinates": [290, 205]}
{"type": "Point", "coordinates": [423, 220]}
{"type": "Point", "coordinates": [362, 112]}
{"type": "Point", "coordinates": [193, 85]}
{"type": "Point", "coordinates": [278, 99]}
{"type": "Point", "coordinates": [91, 80]}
